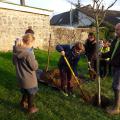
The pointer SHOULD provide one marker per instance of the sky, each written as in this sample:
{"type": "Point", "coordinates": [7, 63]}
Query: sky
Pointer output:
{"type": "Point", "coordinates": [61, 5]}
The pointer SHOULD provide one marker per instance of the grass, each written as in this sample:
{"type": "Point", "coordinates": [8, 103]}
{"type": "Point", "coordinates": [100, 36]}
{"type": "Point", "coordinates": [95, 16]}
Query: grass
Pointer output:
{"type": "Point", "coordinates": [52, 104]}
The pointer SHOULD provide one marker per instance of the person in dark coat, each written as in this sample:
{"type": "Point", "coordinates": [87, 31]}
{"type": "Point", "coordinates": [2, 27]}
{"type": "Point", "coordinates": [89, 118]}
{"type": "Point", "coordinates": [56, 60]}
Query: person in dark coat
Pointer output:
{"type": "Point", "coordinates": [114, 55]}
{"type": "Point", "coordinates": [90, 50]}
{"type": "Point", "coordinates": [73, 56]}
{"type": "Point", "coordinates": [26, 65]}
{"type": "Point", "coordinates": [29, 30]}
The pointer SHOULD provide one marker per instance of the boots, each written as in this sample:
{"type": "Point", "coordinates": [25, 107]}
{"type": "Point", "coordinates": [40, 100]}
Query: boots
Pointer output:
{"type": "Point", "coordinates": [23, 102]}
{"type": "Point", "coordinates": [64, 90]}
{"type": "Point", "coordinates": [31, 107]}
{"type": "Point", "coordinates": [116, 108]}
{"type": "Point", "coordinates": [70, 89]}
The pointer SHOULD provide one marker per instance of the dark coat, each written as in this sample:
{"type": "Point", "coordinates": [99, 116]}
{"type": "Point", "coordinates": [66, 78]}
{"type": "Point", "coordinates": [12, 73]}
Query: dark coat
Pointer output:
{"type": "Point", "coordinates": [90, 49]}
{"type": "Point", "coordinates": [72, 58]}
{"type": "Point", "coordinates": [26, 65]}
{"type": "Point", "coordinates": [115, 61]}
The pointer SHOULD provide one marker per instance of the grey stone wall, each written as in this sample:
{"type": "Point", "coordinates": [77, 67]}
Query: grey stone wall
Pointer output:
{"type": "Point", "coordinates": [14, 23]}
{"type": "Point", "coordinates": [69, 35]}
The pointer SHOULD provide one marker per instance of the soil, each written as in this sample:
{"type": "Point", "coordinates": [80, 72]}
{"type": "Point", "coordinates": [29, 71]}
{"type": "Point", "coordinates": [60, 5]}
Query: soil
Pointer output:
{"type": "Point", "coordinates": [52, 78]}
{"type": "Point", "coordinates": [93, 99]}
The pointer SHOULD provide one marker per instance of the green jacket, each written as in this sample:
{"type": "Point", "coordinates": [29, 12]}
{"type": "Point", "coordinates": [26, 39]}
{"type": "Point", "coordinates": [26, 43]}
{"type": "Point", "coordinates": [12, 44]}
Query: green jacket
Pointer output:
{"type": "Point", "coordinates": [104, 50]}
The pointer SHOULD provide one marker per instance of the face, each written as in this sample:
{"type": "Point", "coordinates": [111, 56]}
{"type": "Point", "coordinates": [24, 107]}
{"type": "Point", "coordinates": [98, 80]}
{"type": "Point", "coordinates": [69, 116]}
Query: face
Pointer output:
{"type": "Point", "coordinates": [105, 45]}
{"type": "Point", "coordinates": [117, 30]}
{"type": "Point", "coordinates": [78, 52]}
{"type": "Point", "coordinates": [91, 37]}
{"type": "Point", "coordinates": [31, 43]}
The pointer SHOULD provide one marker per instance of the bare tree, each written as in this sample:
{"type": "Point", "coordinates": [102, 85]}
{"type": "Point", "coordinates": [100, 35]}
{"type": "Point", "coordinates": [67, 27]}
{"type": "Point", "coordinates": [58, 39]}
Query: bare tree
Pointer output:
{"type": "Point", "coordinates": [76, 3]}
{"type": "Point", "coordinates": [99, 11]}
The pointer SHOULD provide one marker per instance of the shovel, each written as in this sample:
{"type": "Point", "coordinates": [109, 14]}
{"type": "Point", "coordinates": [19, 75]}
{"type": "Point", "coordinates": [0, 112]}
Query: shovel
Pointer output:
{"type": "Point", "coordinates": [82, 93]}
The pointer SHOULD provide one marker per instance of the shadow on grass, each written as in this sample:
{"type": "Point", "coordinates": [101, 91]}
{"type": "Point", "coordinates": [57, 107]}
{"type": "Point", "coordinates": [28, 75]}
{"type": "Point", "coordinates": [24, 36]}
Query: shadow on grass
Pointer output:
{"type": "Point", "coordinates": [7, 56]}
{"type": "Point", "coordinates": [7, 80]}
{"type": "Point", "coordinates": [8, 104]}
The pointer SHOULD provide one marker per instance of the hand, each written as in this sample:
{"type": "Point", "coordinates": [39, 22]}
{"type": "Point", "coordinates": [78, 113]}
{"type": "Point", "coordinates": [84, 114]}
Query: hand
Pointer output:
{"type": "Point", "coordinates": [76, 77]}
{"type": "Point", "coordinates": [63, 53]}
{"type": "Point", "coordinates": [88, 62]}
{"type": "Point", "coordinates": [99, 54]}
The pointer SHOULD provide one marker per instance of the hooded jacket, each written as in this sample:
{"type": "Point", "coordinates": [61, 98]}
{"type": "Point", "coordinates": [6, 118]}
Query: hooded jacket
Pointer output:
{"type": "Point", "coordinates": [26, 65]}
{"type": "Point", "coordinates": [72, 58]}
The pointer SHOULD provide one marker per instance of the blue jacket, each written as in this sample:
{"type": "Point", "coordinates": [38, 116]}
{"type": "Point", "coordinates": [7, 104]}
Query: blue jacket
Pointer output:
{"type": "Point", "coordinates": [72, 58]}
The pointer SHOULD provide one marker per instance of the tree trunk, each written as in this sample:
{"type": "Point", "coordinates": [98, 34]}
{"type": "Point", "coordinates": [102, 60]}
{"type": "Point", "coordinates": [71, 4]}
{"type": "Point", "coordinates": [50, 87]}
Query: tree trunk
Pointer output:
{"type": "Point", "coordinates": [98, 73]}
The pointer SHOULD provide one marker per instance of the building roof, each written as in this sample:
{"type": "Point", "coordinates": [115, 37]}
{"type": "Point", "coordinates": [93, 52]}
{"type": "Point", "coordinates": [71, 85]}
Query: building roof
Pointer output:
{"type": "Point", "coordinates": [64, 18]}
{"type": "Point", "coordinates": [112, 17]}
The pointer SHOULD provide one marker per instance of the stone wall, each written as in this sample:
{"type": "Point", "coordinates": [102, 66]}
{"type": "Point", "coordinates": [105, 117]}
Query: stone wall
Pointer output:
{"type": "Point", "coordinates": [13, 24]}
{"type": "Point", "coordinates": [69, 35]}
{"type": "Point", "coordinates": [14, 20]}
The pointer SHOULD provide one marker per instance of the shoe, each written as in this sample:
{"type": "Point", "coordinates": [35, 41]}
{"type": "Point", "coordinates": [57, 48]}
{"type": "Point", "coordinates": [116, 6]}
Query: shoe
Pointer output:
{"type": "Point", "coordinates": [72, 94]}
{"type": "Point", "coordinates": [24, 102]}
{"type": "Point", "coordinates": [116, 109]}
{"type": "Point", "coordinates": [33, 109]}
{"type": "Point", "coordinates": [113, 111]}
{"type": "Point", "coordinates": [64, 93]}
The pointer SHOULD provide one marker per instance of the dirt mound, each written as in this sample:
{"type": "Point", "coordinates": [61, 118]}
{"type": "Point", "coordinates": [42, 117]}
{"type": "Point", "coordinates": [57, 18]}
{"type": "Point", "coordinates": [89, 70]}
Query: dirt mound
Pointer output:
{"type": "Point", "coordinates": [52, 77]}
{"type": "Point", "coordinates": [93, 99]}
{"type": "Point", "coordinates": [105, 101]}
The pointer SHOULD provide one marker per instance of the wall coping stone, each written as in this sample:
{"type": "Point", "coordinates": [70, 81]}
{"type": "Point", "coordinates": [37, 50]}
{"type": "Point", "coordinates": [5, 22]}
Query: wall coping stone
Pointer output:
{"type": "Point", "coordinates": [25, 8]}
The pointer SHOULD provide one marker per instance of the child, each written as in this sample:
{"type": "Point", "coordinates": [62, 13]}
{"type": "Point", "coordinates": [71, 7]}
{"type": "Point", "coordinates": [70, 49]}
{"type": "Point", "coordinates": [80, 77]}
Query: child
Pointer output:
{"type": "Point", "coordinates": [73, 56]}
{"type": "Point", "coordinates": [104, 63]}
{"type": "Point", "coordinates": [26, 65]}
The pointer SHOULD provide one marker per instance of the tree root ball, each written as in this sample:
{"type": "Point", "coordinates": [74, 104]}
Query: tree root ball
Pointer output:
{"type": "Point", "coordinates": [52, 77]}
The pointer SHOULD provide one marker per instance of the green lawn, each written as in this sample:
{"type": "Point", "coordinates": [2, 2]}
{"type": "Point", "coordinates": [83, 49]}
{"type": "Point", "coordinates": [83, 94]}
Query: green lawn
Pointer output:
{"type": "Point", "coordinates": [52, 104]}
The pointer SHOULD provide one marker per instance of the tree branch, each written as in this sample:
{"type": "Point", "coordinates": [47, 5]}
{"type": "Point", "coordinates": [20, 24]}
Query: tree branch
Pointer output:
{"type": "Point", "coordinates": [105, 12]}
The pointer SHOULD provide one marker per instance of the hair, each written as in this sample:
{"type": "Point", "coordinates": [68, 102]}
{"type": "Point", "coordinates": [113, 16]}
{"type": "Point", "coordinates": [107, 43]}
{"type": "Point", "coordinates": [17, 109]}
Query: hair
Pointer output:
{"type": "Point", "coordinates": [28, 38]}
{"type": "Point", "coordinates": [91, 34]}
{"type": "Point", "coordinates": [18, 42]}
{"type": "Point", "coordinates": [79, 46]}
